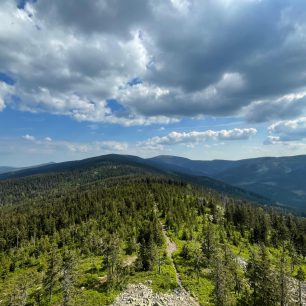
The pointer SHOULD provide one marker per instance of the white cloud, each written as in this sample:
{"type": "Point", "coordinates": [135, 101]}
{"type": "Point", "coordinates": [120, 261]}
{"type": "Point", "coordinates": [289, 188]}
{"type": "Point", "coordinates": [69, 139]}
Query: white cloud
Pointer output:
{"type": "Point", "coordinates": [196, 137]}
{"type": "Point", "coordinates": [63, 72]}
{"type": "Point", "coordinates": [181, 5]}
{"type": "Point", "coordinates": [95, 147]}
{"type": "Point", "coordinates": [287, 106]}
{"type": "Point", "coordinates": [5, 90]}
{"type": "Point", "coordinates": [2, 105]}
{"type": "Point", "coordinates": [288, 130]}
{"type": "Point", "coordinates": [28, 137]}
{"type": "Point", "coordinates": [272, 140]}
{"type": "Point", "coordinates": [153, 100]}
{"type": "Point", "coordinates": [289, 126]}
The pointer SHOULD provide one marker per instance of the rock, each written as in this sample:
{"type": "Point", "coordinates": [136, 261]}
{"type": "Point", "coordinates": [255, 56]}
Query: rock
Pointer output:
{"type": "Point", "coordinates": [141, 295]}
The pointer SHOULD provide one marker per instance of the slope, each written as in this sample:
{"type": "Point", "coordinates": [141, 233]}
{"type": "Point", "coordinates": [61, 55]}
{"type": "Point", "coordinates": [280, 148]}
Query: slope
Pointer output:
{"type": "Point", "coordinates": [281, 179]}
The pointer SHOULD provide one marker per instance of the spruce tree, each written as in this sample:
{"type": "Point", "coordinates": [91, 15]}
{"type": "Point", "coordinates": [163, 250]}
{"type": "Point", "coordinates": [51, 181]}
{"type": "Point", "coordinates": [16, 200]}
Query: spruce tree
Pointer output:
{"type": "Point", "coordinates": [282, 275]}
{"type": "Point", "coordinates": [68, 276]}
{"type": "Point", "coordinates": [301, 278]}
{"type": "Point", "coordinates": [262, 280]}
{"type": "Point", "coordinates": [223, 281]}
{"type": "Point", "coordinates": [51, 275]}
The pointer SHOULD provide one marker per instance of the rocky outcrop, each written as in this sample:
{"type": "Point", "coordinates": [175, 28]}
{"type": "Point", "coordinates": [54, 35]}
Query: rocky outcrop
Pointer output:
{"type": "Point", "coordinates": [142, 295]}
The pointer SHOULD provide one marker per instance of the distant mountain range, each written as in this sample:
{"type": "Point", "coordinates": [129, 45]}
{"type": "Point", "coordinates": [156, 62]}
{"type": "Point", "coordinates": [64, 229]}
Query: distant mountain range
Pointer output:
{"type": "Point", "coordinates": [91, 170]}
{"type": "Point", "coordinates": [280, 180]}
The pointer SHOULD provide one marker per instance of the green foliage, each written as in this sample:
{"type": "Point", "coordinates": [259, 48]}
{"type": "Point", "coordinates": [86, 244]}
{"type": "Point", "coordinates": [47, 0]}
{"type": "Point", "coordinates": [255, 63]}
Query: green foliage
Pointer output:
{"type": "Point", "coordinates": [62, 244]}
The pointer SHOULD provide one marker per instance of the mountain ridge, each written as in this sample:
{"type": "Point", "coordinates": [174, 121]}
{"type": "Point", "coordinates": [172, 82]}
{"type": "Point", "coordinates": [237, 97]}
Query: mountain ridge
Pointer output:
{"type": "Point", "coordinates": [278, 180]}
{"type": "Point", "coordinates": [96, 168]}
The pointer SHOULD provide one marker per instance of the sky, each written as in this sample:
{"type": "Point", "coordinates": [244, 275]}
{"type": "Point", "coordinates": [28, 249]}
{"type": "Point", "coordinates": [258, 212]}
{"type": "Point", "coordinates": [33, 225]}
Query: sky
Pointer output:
{"type": "Point", "coordinates": [204, 79]}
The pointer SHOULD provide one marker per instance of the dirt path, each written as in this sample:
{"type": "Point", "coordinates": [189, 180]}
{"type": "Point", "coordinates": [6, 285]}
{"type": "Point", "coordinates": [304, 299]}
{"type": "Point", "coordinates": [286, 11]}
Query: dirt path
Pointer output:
{"type": "Point", "coordinates": [171, 248]}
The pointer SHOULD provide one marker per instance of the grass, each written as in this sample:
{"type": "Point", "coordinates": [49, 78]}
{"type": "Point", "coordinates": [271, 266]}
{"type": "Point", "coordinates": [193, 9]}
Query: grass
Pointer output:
{"type": "Point", "coordinates": [201, 287]}
{"type": "Point", "coordinates": [163, 282]}
{"type": "Point", "coordinates": [90, 289]}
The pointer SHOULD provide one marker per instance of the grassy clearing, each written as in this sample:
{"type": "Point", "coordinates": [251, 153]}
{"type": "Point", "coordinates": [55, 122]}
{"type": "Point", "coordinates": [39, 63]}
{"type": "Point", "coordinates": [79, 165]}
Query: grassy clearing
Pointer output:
{"type": "Point", "coordinates": [90, 287]}
{"type": "Point", "coordinates": [201, 288]}
{"type": "Point", "coordinates": [159, 282]}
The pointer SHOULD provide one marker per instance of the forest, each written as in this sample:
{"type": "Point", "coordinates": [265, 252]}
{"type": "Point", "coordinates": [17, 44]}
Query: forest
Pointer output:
{"type": "Point", "coordinates": [80, 237]}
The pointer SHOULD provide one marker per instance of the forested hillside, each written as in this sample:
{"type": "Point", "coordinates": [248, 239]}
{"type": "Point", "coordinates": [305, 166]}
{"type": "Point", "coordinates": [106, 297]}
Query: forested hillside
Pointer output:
{"type": "Point", "coordinates": [16, 185]}
{"type": "Point", "coordinates": [79, 237]}
{"type": "Point", "coordinates": [280, 179]}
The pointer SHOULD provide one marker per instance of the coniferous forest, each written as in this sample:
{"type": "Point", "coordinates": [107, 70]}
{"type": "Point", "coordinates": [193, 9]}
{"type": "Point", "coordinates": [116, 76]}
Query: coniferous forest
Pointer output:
{"type": "Point", "coordinates": [79, 237]}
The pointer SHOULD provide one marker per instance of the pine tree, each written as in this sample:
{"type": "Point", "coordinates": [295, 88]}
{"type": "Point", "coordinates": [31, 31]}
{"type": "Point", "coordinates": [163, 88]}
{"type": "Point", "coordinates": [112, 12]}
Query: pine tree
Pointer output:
{"type": "Point", "coordinates": [262, 280]}
{"type": "Point", "coordinates": [301, 278]}
{"type": "Point", "coordinates": [68, 276]}
{"type": "Point", "coordinates": [147, 254]}
{"type": "Point", "coordinates": [208, 240]}
{"type": "Point", "coordinates": [112, 259]}
{"type": "Point", "coordinates": [222, 280]}
{"type": "Point", "coordinates": [51, 275]}
{"type": "Point", "coordinates": [161, 258]}
{"type": "Point", "coordinates": [282, 273]}
{"type": "Point", "coordinates": [197, 259]}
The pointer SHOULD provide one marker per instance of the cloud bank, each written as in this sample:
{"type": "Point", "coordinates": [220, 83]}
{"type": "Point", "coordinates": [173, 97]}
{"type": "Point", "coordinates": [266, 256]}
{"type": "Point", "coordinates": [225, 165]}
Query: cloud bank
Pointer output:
{"type": "Point", "coordinates": [196, 137]}
{"type": "Point", "coordinates": [191, 58]}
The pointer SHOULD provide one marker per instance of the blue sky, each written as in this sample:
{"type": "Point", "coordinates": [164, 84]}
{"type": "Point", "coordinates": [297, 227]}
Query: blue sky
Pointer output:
{"type": "Point", "coordinates": [223, 79]}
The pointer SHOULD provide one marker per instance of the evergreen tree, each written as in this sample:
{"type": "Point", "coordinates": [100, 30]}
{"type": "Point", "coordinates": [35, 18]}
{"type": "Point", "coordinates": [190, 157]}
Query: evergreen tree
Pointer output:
{"type": "Point", "coordinates": [262, 280]}
{"type": "Point", "coordinates": [222, 280]}
{"type": "Point", "coordinates": [208, 240]}
{"type": "Point", "coordinates": [282, 273]}
{"type": "Point", "coordinates": [51, 275]}
{"type": "Point", "coordinates": [197, 259]}
{"type": "Point", "coordinates": [68, 275]}
{"type": "Point", "coordinates": [147, 254]}
{"type": "Point", "coordinates": [112, 259]}
{"type": "Point", "coordinates": [301, 278]}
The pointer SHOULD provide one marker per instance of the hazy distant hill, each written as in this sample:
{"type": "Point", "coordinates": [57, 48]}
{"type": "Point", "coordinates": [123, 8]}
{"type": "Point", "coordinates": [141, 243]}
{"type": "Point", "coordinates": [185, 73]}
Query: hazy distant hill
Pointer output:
{"type": "Point", "coordinates": [4, 169]}
{"type": "Point", "coordinates": [282, 179]}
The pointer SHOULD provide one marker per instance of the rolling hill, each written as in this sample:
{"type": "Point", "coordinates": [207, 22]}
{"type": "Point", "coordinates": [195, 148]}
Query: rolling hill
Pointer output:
{"type": "Point", "coordinates": [87, 171]}
{"type": "Point", "coordinates": [266, 180]}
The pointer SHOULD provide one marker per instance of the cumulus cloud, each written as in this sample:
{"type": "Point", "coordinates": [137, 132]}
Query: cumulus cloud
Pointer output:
{"type": "Point", "coordinates": [2, 105]}
{"type": "Point", "coordinates": [288, 130]}
{"type": "Point", "coordinates": [192, 58]}
{"type": "Point", "coordinates": [195, 137]}
{"type": "Point", "coordinates": [28, 137]}
{"type": "Point", "coordinates": [154, 100]}
{"type": "Point", "coordinates": [288, 106]}
{"type": "Point", "coordinates": [5, 90]}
